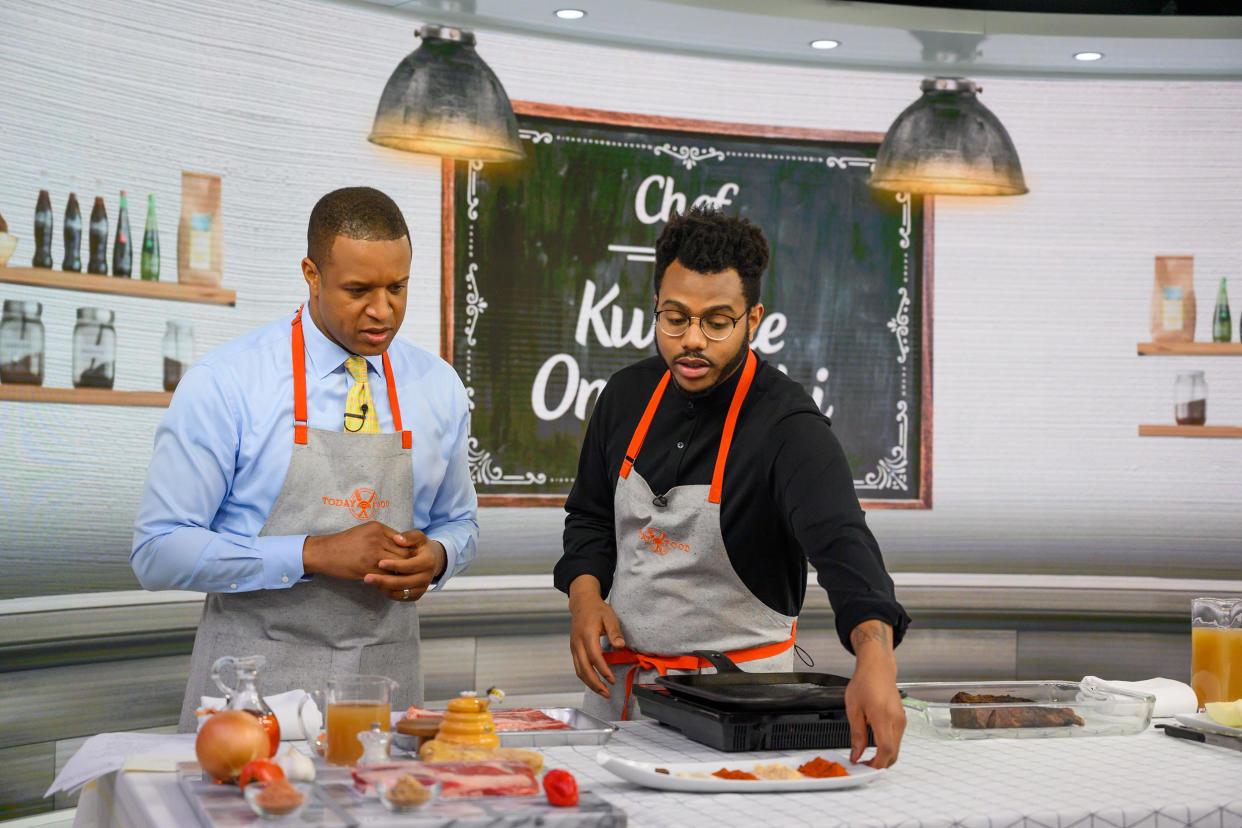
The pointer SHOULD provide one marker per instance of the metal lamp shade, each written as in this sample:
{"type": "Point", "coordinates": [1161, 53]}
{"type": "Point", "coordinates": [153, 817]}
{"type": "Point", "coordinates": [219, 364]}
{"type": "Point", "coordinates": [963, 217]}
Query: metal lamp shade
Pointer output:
{"type": "Point", "coordinates": [442, 99]}
{"type": "Point", "coordinates": [948, 142]}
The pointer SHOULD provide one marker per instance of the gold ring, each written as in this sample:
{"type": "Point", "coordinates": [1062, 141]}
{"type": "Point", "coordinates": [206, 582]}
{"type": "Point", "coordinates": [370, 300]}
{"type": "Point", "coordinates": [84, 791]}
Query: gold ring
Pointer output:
{"type": "Point", "coordinates": [405, 595]}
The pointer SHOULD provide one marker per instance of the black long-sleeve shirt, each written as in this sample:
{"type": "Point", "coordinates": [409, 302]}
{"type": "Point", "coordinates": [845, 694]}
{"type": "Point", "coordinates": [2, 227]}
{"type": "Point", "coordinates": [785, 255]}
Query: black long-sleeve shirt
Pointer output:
{"type": "Point", "coordinates": [788, 493]}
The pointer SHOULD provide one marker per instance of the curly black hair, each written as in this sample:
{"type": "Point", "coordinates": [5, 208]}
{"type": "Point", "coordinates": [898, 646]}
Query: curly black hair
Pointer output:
{"type": "Point", "coordinates": [362, 213]}
{"type": "Point", "coordinates": [705, 240]}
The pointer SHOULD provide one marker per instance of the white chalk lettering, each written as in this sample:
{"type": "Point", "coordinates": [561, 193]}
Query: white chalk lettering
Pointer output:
{"type": "Point", "coordinates": [672, 201]}
{"type": "Point", "coordinates": [592, 313]}
{"type": "Point", "coordinates": [539, 391]}
{"type": "Point", "coordinates": [577, 394]}
{"type": "Point", "coordinates": [770, 330]}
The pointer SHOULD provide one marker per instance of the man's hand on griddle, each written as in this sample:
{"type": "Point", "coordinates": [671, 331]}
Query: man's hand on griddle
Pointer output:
{"type": "Point", "coordinates": [591, 617]}
{"type": "Point", "coordinates": [871, 698]}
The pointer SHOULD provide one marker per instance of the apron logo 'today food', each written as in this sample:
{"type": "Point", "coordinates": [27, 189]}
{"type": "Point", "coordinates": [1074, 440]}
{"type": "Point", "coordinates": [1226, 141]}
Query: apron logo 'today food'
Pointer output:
{"type": "Point", "coordinates": [362, 504]}
{"type": "Point", "coordinates": [660, 543]}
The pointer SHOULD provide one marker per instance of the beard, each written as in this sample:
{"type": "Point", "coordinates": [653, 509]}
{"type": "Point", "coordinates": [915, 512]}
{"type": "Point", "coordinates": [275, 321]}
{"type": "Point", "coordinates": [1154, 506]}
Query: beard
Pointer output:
{"type": "Point", "coordinates": [730, 368]}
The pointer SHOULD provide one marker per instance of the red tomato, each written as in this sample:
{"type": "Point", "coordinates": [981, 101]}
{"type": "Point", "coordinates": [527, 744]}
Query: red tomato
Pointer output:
{"type": "Point", "coordinates": [561, 787]}
{"type": "Point", "coordinates": [260, 770]}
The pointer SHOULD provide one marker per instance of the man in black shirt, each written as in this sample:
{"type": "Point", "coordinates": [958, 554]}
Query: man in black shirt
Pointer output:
{"type": "Point", "coordinates": [695, 511]}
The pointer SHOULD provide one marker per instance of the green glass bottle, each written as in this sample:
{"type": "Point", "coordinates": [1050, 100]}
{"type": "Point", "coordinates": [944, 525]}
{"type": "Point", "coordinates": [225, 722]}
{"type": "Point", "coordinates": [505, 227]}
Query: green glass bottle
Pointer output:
{"type": "Point", "coordinates": [151, 245]}
{"type": "Point", "coordinates": [1222, 324]}
{"type": "Point", "coordinates": [122, 248]}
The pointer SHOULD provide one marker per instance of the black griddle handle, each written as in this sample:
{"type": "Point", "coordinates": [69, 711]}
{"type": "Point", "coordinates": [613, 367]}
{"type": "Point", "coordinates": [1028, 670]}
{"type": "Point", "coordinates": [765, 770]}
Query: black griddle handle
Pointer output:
{"type": "Point", "coordinates": [719, 660]}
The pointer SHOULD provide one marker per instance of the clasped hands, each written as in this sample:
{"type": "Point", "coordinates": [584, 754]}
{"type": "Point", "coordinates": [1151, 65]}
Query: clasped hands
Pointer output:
{"type": "Point", "coordinates": [401, 565]}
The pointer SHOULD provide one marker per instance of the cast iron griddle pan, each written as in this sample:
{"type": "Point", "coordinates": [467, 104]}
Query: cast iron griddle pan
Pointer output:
{"type": "Point", "coordinates": [730, 687]}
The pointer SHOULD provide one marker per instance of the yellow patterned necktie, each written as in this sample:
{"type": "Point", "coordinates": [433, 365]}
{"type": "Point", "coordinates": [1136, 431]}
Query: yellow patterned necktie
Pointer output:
{"type": "Point", "coordinates": [360, 417]}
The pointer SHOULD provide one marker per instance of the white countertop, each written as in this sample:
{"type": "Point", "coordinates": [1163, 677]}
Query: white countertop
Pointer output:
{"type": "Point", "coordinates": [1147, 780]}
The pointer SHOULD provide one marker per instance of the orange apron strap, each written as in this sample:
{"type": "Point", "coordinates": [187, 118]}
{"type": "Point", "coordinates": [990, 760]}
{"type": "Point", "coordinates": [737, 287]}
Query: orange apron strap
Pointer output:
{"type": "Point", "coordinates": [407, 439]}
{"type": "Point", "coordinates": [663, 664]}
{"type": "Point", "coordinates": [640, 433]}
{"type": "Point", "coordinates": [726, 439]}
{"type": "Point", "coordinates": [299, 380]}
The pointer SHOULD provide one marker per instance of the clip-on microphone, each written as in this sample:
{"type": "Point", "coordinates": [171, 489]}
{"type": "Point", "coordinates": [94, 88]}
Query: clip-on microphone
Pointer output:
{"type": "Point", "coordinates": [362, 416]}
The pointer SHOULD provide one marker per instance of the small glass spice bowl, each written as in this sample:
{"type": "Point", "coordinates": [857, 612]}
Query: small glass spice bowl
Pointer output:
{"type": "Point", "coordinates": [391, 795]}
{"type": "Point", "coordinates": [264, 807]}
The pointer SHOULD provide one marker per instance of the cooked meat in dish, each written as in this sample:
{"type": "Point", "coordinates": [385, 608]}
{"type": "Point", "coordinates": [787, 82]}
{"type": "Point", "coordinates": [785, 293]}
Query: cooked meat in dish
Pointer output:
{"type": "Point", "coordinates": [989, 717]}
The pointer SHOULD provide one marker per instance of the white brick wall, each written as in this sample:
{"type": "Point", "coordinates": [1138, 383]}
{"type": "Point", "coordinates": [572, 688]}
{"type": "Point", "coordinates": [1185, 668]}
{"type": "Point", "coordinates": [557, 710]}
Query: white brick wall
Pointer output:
{"type": "Point", "coordinates": [1039, 300]}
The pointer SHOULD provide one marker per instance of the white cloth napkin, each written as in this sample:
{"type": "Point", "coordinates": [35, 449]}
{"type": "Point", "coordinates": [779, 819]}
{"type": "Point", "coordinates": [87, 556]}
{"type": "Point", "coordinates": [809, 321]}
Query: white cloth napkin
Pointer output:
{"type": "Point", "coordinates": [1172, 696]}
{"type": "Point", "coordinates": [107, 752]}
{"type": "Point", "coordinates": [285, 706]}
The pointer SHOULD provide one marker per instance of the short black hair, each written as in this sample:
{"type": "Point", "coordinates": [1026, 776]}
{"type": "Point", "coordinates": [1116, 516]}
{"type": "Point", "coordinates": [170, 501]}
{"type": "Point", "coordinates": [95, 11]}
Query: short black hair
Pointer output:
{"type": "Point", "coordinates": [362, 213]}
{"type": "Point", "coordinates": [705, 240]}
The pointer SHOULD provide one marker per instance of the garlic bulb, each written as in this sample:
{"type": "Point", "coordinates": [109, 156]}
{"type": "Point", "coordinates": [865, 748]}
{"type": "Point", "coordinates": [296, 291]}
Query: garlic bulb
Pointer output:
{"type": "Point", "coordinates": [297, 766]}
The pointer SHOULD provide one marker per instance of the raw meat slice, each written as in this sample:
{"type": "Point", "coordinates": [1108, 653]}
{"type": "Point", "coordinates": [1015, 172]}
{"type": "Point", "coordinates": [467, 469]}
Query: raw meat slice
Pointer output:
{"type": "Point", "coordinates": [487, 777]}
{"type": "Point", "coordinates": [516, 719]}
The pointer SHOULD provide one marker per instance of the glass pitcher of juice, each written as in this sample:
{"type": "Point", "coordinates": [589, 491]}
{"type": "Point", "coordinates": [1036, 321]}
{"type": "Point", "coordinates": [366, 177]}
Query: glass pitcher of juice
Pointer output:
{"type": "Point", "coordinates": [351, 704]}
{"type": "Point", "coordinates": [1216, 649]}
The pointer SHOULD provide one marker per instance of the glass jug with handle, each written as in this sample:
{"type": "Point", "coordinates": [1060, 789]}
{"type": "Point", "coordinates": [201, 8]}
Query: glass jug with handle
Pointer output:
{"type": "Point", "coordinates": [245, 694]}
{"type": "Point", "coordinates": [350, 703]}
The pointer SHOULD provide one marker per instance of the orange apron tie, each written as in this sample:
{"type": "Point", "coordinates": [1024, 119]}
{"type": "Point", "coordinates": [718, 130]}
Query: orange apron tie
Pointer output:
{"type": "Point", "coordinates": [300, 426]}
{"type": "Point", "coordinates": [646, 661]}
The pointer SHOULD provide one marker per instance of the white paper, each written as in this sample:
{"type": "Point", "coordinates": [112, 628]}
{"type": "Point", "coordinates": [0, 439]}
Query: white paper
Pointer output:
{"type": "Point", "coordinates": [1172, 696]}
{"type": "Point", "coordinates": [106, 753]}
{"type": "Point", "coordinates": [285, 706]}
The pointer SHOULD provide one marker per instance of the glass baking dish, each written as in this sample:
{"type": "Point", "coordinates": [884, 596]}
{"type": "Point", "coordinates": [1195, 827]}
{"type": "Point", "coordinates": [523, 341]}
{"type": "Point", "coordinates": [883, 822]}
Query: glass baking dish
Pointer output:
{"type": "Point", "coordinates": [1034, 709]}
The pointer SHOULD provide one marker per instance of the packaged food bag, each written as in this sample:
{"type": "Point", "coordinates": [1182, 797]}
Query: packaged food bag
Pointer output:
{"type": "Point", "coordinates": [200, 234]}
{"type": "Point", "coordinates": [1173, 300]}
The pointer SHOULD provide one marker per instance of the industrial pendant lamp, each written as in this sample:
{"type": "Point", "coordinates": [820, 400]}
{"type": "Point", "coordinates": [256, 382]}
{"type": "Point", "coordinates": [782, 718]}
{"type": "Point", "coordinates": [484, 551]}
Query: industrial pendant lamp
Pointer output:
{"type": "Point", "coordinates": [948, 142]}
{"type": "Point", "coordinates": [444, 100]}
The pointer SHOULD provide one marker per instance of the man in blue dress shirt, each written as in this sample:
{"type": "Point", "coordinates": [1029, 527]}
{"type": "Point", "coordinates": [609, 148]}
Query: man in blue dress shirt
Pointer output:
{"type": "Point", "coordinates": [311, 477]}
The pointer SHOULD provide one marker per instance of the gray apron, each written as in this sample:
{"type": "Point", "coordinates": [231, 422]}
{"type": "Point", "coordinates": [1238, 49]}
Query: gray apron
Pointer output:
{"type": "Point", "coordinates": [324, 626]}
{"type": "Point", "coordinates": [674, 588]}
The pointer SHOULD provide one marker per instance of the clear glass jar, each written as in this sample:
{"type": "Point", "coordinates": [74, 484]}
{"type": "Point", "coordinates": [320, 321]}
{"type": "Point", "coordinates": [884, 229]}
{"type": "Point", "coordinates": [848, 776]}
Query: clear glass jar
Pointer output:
{"type": "Point", "coordinates": [94, 349]}
{"type": "Point", "coordinates": [1190, 398]}
{"type": "Point", "coordinates": [178, 351]}
{"type": "Point", "coordinates": [21, 343]}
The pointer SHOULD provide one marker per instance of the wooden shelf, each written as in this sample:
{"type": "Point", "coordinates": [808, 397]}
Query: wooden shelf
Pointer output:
{"type": "Point", "coordinates": [67, 280]}
{"type": "Point", "coordinates": [1189, 431]}
{"type": "Point", "coordinates": [84, 396]}
{"type": "Point", "coordinates": [1190, 348]}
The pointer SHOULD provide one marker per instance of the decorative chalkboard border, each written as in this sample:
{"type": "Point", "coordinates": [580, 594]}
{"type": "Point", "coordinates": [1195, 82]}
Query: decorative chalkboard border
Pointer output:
{"type": "Point", "coordinates": [890, 473]}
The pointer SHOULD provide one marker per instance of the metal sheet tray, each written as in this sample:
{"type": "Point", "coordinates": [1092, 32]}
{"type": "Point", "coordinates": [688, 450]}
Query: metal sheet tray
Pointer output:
{"type": "Point", "coordinates": [930, 711]}
{"type": "Point", "coordinates": [337, 804]}
{"type": "Point", "coordinates": [583, 730]}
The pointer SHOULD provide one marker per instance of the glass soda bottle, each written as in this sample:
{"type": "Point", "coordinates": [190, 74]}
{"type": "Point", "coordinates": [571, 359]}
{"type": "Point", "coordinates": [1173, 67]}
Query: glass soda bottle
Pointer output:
{"type": "Point", "coordinates": [98, 249]}
{"type": "Point", "coordinates": [73, 235]}
{"type": "Point", "coordinates": [1222, 324]}
{"type": "Point", "coordinates": [43, 231]}
{"type": "Point", "coordinates": [245, 696]}
{"type": "Point", "coordinates": [150, 267]}
{"type": "Point", "coordinates": [122, 249]}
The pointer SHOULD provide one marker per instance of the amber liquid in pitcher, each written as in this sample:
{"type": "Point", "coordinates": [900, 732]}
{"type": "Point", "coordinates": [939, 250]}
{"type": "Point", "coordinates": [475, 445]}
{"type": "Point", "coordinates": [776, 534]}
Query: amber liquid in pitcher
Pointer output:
{"type": "Point", "coordinates": [345, 720]}
{"type": "Point", "coordinates": [1216, 664]}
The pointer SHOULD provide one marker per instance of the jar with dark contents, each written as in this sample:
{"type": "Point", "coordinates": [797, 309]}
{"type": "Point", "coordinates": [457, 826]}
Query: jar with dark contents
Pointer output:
{"type": "Point", "coordinates": [21, 343]}
{"type": "Point", "coordinates": [1190, 399]}
{"type": "Point", "coordinates": [178, 351]}
{"type": "Point", "coordinates": [94, 349]}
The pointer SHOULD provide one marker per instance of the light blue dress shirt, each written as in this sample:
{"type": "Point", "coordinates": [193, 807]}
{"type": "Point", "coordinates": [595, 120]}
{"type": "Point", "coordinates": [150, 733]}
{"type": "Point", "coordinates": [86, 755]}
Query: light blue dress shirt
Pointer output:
{"type": "Point", "coordinates": [222, 450]}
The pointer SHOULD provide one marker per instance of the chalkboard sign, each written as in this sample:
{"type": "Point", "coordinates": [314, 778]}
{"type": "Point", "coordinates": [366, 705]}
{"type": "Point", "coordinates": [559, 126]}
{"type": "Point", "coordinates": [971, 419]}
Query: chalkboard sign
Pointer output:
{"type": "Point", "coordinates": [548, 286]}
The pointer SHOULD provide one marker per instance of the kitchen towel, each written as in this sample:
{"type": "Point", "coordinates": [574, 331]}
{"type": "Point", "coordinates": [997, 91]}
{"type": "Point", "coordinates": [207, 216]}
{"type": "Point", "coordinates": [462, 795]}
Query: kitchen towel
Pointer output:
{"type": "Point", "coordinates": [1172, 696]}
{"type": "Point", "coordinates": [284, 705]}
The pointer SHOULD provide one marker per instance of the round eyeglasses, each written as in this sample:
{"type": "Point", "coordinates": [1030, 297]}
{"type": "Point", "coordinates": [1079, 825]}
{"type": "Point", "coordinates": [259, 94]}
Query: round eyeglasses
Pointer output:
{"type": "Point", "coordinates": [715, 326]}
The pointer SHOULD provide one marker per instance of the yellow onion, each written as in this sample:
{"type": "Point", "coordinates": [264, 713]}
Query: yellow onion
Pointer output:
{"type": "Point", "coordinates": [228, 741]}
